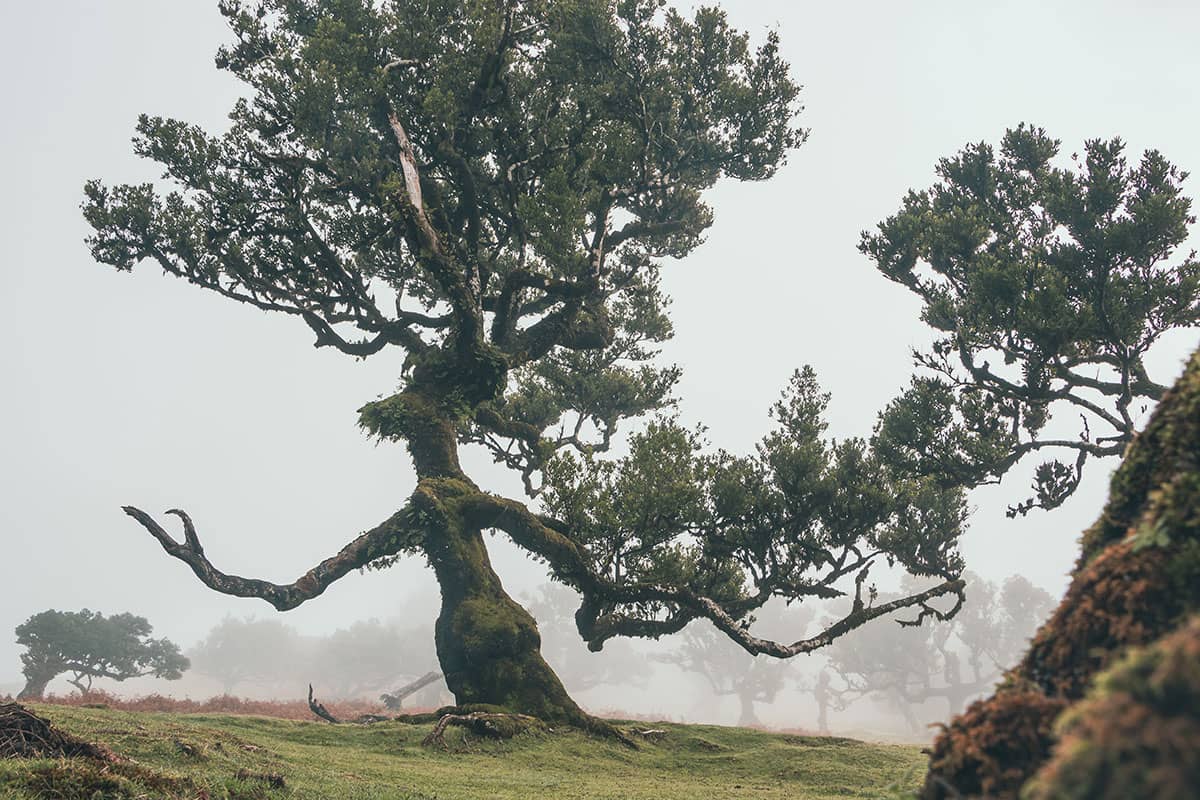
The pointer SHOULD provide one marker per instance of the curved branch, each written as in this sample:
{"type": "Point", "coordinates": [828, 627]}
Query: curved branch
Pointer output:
{"type": "Point", "coordinates": [861, 615]}
{"type": "Point", "coordinates": [570, 563]}
{"type": "Point", "coordinates": [389, 538]}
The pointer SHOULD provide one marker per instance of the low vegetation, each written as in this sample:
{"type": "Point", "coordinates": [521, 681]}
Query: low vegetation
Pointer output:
{"type": "Point", "coordinates": [240, 757]}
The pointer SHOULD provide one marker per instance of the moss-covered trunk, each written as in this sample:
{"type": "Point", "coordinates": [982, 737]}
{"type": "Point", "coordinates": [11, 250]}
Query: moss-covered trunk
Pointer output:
{"type": "Point", "coordinates": [487, 644]}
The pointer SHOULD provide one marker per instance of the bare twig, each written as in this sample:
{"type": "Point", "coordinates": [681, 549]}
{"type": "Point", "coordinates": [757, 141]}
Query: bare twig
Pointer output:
{"type": "Point", "coordinates": [319, 709]}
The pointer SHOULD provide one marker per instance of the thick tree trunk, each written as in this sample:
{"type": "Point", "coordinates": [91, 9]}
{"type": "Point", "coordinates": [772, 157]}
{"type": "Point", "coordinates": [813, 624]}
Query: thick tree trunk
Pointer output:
{"type": "Point", "coordinates": [35, 687]}
{"type": "Point", "coordinates": [910, 716]}
{"type": "Point", "coordinates": [748, 717]}
{"type": "Point", "coordinates": [488, 645]}
{"type": "Point", "coordinates": [821, 693]}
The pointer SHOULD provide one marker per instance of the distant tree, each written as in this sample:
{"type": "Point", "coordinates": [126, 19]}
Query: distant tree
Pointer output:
{"type": "Point", "coordinates": [619, 664]}
{"type": "Point", "coordinates": [952, 661]}
{"type": "Point", "coordinates": [824, 695]}
{"type": "Point", "coordinates": [86, 645]}
{"type": "Point", "coordinates": [493, 188]}
{"type": "Point", "coordinates": [362, 659]}
{"type": "Point", "coordinates": [238, 651]}
{"type": "Point", "coordinates": [1047, 286]}
{"type": "Point", "coordinates": [731, 671]}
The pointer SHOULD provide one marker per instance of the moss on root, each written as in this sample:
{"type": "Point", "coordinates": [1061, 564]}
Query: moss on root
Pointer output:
{"type": "Point", "coordinates": [1136, 581]}
{"type": "Point", "coordinates": [1138, 732]}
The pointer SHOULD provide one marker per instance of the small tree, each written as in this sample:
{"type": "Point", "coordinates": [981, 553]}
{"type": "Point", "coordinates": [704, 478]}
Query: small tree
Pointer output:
{"type": "Point", "coordinates": [952, 661]}
{"type": "Point", "coordinates": [1047, 285]}
{"type": "Point", "coordinates": [237, 651]}
{"type": "Point", "coordinates": [369, 656]}
{"type": "Point", "coordinates": [87, 645]}
{"type": "Point", "coordinates": [493, 188]}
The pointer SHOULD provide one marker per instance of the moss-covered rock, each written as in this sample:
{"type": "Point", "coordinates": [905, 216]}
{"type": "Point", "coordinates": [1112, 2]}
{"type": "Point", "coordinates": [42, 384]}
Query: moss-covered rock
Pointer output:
{"type": "Point", "coordinates": [992, 747]}
{"type": "Point", "coordinates": [1137, 734]}
{"type": "Point", "coordinates": [1125, 597]}
{"type": "Point", "coordinates": [1136, 581]}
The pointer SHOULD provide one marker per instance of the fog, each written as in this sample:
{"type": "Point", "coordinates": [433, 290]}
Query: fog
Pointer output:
{"type": "Point", "coordinates": [140, 389]}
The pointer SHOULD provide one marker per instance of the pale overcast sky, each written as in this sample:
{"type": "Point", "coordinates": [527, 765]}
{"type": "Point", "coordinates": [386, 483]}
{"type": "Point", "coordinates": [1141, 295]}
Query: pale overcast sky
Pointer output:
{"type": "Point", "coordinates": [142, 389]}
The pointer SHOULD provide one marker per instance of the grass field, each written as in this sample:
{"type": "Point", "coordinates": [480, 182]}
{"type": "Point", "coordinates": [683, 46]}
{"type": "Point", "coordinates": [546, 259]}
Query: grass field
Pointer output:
{"type": "Point", "coordinates": [201, 755]}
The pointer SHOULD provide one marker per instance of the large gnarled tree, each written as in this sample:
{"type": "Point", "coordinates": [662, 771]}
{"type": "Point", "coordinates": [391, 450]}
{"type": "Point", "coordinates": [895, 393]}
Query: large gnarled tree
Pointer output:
{"type": "Point", "coordinates": [493, 188]}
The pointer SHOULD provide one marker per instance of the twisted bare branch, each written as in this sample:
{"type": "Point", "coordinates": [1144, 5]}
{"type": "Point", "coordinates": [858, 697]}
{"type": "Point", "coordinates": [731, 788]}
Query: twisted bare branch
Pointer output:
{"type": "Point", "coordinates": [389, 538]}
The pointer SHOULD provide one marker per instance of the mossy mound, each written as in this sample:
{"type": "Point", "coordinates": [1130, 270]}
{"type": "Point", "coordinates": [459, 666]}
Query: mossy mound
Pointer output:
{"type": "Point", "coordinates": [24, 734]}
{"type": "Point", "coordinates": [1137, 580]}
{"type": "Point", "coordinates": [1126, 597]}
{"type": "Point", "coordinates": [1138, 732]}
{"type": "Point", "coordinates": [992, 747]}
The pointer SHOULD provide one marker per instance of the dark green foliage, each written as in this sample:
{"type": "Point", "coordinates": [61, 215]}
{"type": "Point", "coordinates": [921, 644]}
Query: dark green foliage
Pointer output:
{"type": "Point", "coordinates": [88, 645]}
{"type": "Point", "coordinates": [534, 124]}
{"type": "Point", "coordinates": [1048, 284]}
{"type": "Point", "coordinates": [786, 522]}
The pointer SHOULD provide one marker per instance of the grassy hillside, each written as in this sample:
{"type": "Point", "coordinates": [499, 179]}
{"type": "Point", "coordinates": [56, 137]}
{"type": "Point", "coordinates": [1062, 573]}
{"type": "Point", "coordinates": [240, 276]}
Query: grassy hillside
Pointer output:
{"type": "Point", "coordinates": [201, 756]}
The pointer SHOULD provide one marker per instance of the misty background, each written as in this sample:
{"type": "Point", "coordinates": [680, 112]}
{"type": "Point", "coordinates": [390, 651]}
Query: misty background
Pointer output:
{"type": "Point", "coordinates": [138, 388]}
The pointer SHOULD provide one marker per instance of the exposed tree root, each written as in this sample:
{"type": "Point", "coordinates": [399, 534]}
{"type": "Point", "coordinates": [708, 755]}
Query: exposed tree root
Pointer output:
{"type": "Point", "coordinates": [482, 723]}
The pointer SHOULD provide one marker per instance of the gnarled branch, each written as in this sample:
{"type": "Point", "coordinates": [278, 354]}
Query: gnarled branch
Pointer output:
{"type": "Point", "coordinates": [389, 538]}
{"type": "Point", "coordinates": [571, 564]}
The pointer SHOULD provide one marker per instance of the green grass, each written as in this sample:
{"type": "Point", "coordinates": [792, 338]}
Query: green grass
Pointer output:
{"type": "Point", "coordinates": [180, 755]}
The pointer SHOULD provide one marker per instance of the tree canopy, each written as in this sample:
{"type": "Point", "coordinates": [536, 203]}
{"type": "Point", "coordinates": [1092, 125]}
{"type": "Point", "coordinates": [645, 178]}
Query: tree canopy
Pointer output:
{"type": "Point", "coordinates": [238, 651]}
{"type": "Point", "coordinates": [1047, 285]}
{"type": "Point", "coordinates": [87, 645]}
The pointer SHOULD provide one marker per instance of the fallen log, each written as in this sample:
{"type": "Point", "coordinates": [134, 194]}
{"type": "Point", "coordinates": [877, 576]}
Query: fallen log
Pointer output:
{"type": "Point", "coordinates": [395, 700]}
